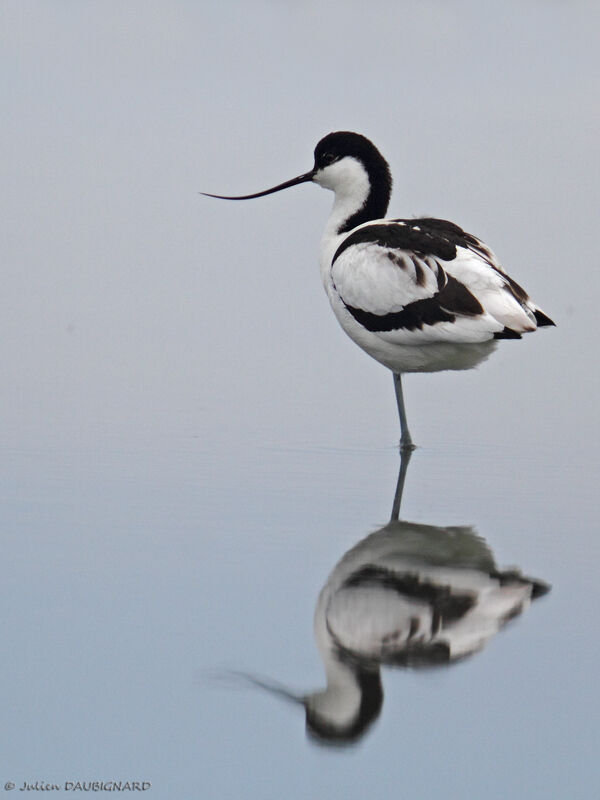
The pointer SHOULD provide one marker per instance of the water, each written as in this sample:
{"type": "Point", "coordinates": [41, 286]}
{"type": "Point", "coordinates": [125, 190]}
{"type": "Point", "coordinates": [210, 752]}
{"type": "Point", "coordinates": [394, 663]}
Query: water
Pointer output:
{"type": "Point", "coordinates": [191, 445]}
{"type": "Point", "coordinates": [138, 579]}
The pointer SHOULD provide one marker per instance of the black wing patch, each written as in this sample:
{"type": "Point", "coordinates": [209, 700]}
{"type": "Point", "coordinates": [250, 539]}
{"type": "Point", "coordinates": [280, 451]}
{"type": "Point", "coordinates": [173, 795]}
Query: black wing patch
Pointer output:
{"type": "Point", "coordinates": [420, 654]}
{"type": "Point", "coordinates": [416, 235]}
{"type": "Point", "coordinates": [425, 236]}
{"type": "Point", "coordinates": [446, 607]}
{"type": "Point", "coordinates": [452, 301]}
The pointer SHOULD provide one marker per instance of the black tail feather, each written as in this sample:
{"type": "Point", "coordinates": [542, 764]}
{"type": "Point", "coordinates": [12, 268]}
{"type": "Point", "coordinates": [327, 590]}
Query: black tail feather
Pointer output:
{"type": "Point", "coordinates": [507, 333]}
{"type": "Point", "coordinates": [542, 319]}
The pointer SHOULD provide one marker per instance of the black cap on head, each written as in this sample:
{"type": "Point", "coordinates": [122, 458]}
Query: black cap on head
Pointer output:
{"type": "Point", "coordinates": [339, 144]}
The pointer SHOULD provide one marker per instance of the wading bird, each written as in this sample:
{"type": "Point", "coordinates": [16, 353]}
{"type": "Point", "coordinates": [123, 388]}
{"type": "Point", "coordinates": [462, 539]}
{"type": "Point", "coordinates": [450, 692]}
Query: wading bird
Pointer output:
{"type": "Point", "coordinates": [408, 595]}
{"type": "Point", "coordinates": [418, 295]}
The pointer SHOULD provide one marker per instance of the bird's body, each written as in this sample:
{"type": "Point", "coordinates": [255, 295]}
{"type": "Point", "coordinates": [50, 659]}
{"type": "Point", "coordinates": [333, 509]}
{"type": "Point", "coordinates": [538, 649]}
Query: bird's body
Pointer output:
{"type": "Point", "coordinates": [418, 295]}
{"type": "Point", "coordinates": [412, 293]}
{"type": "Point", "coordinates": [408, 595]}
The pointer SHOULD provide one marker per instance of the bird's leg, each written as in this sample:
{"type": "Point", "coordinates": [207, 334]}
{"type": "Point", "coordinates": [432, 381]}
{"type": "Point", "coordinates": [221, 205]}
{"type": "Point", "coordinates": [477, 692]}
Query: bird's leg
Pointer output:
{"type": "Point", "coordinates": [406, 442]}
{"type": "Point", "coordinates": [405, 455]}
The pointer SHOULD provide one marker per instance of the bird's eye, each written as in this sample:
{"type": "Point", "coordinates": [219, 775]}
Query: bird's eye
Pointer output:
{"type": "Point", "coordinates": [327, 158]}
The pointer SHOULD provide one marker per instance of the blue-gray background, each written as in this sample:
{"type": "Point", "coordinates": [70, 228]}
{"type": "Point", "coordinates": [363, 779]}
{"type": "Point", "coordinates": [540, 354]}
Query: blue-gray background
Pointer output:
{"type": "Point", "coordinates": [189, 441]}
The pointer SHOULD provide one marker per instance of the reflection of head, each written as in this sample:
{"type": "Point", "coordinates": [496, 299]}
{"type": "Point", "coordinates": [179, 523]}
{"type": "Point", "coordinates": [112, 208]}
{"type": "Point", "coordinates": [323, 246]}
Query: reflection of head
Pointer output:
{"type": "Point", "coordinates": [323, 730]}
{"type": "Point", "coordinates": [411, 596]}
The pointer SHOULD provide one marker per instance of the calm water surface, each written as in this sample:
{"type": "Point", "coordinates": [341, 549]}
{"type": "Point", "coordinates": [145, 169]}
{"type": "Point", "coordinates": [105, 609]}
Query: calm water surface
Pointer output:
{"type": "Point", "coordinates": [141, 581]}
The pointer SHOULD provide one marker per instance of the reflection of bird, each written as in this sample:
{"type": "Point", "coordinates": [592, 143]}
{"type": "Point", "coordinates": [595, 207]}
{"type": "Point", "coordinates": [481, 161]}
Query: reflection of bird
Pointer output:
{"type": "Point", "coordinates": [408, 595]}
{"type": "Point", "coordinates": [418, 295]}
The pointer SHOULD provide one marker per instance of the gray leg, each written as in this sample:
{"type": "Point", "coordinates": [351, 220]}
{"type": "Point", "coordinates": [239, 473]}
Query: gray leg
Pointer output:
{"type": "Point", "coordinates": [406, 442]}
{"type": "Point", "coordinates": [405, 454]}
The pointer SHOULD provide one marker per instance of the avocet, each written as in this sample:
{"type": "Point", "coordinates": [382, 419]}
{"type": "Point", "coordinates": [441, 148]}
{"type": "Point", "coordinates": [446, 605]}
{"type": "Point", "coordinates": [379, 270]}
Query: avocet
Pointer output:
{"type": "Point", "coordinates": [418, 295]}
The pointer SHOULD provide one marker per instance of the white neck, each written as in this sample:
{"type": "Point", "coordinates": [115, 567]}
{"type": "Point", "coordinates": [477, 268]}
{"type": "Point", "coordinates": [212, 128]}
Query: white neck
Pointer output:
{"type": "Point", "coordinates": [339, 703]}
{"type": "Point", "coordinates": [350, 182]}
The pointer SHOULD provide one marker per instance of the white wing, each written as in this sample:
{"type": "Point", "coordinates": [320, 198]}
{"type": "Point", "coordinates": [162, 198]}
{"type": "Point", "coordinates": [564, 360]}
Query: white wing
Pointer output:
{"type": "Point", "coordinates": [493, 288]}
{"type": "Point", "coordinates": [383, 280]}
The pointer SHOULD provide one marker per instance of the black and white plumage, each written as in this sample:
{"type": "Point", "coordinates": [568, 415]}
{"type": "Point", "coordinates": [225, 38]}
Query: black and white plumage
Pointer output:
{"type": "Point", "coordinates": [408, 595]}
{"type": "Point", "coordinates": [418, 295]}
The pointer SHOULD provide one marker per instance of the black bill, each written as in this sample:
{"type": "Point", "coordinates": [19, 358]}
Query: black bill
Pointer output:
{"type": "Point", "coordinates": [308, 176]}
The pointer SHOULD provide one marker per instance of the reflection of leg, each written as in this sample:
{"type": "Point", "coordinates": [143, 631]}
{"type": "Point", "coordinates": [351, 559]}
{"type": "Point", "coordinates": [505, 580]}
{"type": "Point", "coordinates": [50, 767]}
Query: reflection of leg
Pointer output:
{"type": "Point", "coordinates": [406, 442]}
{"type": "Point", "coordinates": [405, 455]}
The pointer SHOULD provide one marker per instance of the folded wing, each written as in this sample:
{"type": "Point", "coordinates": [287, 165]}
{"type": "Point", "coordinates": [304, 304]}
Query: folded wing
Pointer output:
{"type": "Point", "coordinates": [427, 280]}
